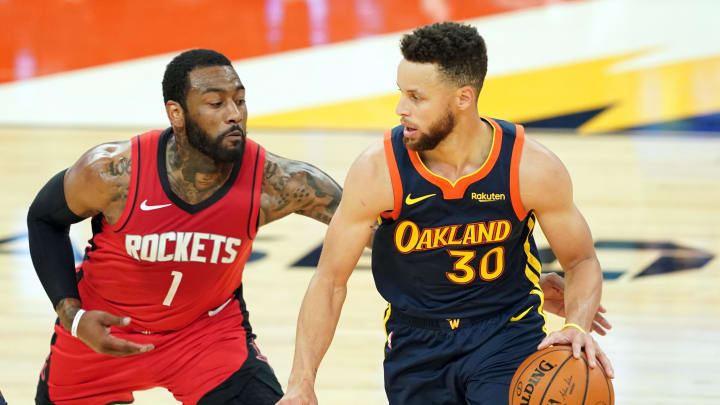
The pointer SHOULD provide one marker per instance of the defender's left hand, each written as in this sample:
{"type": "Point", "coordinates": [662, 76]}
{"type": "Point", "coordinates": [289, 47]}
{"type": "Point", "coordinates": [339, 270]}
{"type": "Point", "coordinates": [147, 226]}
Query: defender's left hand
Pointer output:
{"type": "Point", "coordinates": [579, 341]}
{"type": "Point", "coordinates": [553, 287]}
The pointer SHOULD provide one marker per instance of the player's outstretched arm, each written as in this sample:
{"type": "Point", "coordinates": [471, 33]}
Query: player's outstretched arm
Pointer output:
{"type": "Point", "coordinates": [292, 186]}
{"type": "Point", "coordinates": [96, 183]}
{"type": "Point", "coordinates": [570, 239]}
{"type": "Point", "coordinates": [367, 193]}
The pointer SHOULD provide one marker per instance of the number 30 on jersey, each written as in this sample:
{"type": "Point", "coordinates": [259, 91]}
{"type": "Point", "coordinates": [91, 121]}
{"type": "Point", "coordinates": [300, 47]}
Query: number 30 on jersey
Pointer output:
{"type": "Point", "coordinates": [492, 265]}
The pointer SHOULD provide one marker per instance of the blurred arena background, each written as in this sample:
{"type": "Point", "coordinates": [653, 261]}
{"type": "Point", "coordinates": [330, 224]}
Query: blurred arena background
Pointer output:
{"type": "Point", "coordinates": [626, 92]}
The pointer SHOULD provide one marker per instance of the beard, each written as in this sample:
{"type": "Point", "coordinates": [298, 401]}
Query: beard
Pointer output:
{"type": "Point", "coordinates": [439, 130]}
{"type": "Point", "coordinates": [202, 141]}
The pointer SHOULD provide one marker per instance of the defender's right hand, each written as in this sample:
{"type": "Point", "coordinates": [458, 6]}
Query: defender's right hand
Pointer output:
{"type": "Point", "coordinates": [302, 394]}
{"type": "Point", "coordinates": [94, 330]}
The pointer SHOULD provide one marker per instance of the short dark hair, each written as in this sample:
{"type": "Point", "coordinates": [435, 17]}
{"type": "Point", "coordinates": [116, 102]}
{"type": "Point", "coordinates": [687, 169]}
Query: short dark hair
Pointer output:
{"type": "Point", "coordinates": [175, 81]}
{"type": "Point", "coordinates": [457, 49]}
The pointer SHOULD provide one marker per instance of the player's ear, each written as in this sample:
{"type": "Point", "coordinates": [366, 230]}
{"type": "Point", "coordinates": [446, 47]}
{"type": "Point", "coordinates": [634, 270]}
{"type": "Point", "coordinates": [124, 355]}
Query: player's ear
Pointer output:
{"type": "Point", "coordinates": [465, 97]}
{"type": "Point", "coordinates": [175, 114]}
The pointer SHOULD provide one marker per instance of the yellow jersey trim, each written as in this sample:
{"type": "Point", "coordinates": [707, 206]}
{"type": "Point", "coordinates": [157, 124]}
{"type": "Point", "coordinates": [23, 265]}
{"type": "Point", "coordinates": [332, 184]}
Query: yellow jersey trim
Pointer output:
{"type": "Point", "coordinates": [533, 274]}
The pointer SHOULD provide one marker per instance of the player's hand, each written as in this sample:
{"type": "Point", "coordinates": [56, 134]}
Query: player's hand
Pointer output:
{"type": "Point", "coordinates": [580, 341]}
{"type": "Point", "coordinates": [299, 394]}
{"type": "Point", "coordinates": [94, 330]}
{"type": "Point", "coordinates": [553, 287]}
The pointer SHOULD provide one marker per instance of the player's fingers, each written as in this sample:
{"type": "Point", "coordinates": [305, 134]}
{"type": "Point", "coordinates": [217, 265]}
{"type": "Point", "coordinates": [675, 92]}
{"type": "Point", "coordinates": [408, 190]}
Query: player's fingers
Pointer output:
{"type": "Point", "coordinates": [545, 342]}
{"type": "Point", "coordinates": [109, 319]}
{"type": "Point", "coordinates": [577, 345]}
{"type": "Point", "coordinates": [597, 328]}
{"type": "Point", "coordinates": [553, 339]}
{"type": "Point", "coordinates": [120, 347]}
{"type": "Point", "coordinates": [602, 309]}
{"type": "Point", "coordinates": [590, 350]}
{"type": "Point", "coordinates": [602, 321]}
{"type": "Point", "coordinates": [605, 363]}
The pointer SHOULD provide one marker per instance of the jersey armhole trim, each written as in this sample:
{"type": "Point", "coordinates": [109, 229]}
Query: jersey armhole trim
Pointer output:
{"type": "Point", "coordinates": [394, 178]}
{"type": "Point", "coordinates": [256, 192]}
{"type": "Point", "coordinates": [515, 173]}
{"type": "Point", "coordinates": [132, 187]}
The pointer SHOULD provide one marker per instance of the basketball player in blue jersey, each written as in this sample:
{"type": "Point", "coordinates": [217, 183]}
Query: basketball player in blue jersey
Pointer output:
{"type": "Point", "coordinates": [457, 196]}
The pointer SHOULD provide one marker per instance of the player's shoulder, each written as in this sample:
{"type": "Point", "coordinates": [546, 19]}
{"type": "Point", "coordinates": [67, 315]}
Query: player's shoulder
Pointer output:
{"type": "Point", "coordinates": [368, 186]}
{"type": "Point", "coordinates": [108, 150]}
{"type": "Point", "coordinates": [538, 161]}
{"type": "Point", "coordinates": [541, 171]}
{"type": "Point", "coordinates": [371, 161]}
{"type": "Point", "coordinates": [104, 163]}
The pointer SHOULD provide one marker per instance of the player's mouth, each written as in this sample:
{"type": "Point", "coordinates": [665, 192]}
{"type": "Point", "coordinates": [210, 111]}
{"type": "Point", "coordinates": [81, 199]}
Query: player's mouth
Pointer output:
{"type": "Point", "coordinates": [409, 131]}
{"type": "Point", "coordinates": [235, 138]}
{"type": "Point", "coordinates": [235, 135]}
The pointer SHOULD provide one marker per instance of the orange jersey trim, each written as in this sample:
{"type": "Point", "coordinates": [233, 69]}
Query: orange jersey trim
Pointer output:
{"type": "Point", "coordinates": [515, 173]}
{"type": "Point", "coordinates": [455, 190]}
{"type": "Point", "coordinates": [394, 177]}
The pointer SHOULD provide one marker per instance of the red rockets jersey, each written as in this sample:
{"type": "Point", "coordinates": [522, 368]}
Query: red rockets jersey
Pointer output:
{"type": "Point", "coordinates": [166, 262]}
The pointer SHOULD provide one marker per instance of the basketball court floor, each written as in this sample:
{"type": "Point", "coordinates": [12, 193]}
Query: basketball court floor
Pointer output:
{"type": "Point", "coordinates": [651, 201]}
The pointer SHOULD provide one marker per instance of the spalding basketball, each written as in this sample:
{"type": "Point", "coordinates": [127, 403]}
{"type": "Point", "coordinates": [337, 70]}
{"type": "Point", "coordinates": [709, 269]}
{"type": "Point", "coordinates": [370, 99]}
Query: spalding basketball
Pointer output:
{"type": "Point", "coordinates": [553, 376]}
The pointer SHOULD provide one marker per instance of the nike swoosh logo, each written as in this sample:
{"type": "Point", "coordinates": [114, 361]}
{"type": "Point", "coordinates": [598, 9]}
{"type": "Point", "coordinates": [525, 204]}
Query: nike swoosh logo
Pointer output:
{"type": "Point", "coordinates": [410, 201]}
{"type": "Point", "coordinates": [145, 207]}
{"type": "Point", "coordinates": [220, 308]}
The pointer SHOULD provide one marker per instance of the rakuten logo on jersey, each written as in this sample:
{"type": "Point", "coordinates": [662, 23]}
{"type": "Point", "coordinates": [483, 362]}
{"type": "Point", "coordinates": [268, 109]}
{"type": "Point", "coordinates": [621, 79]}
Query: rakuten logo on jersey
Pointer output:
{"type": "Point", "coordinates": [188, 247]}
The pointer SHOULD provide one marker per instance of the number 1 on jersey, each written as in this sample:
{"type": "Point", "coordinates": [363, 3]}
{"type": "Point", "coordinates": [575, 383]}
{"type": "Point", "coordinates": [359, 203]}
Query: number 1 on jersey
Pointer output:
{"type": "Point", "coordinates": [177, 276]}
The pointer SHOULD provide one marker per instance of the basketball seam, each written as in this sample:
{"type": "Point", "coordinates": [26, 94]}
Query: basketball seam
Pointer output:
{"type": "Point", "coordinates": [587, 378]}
{"type": "Point", "coordinates": [553, 378]}
{"type": "Point", "coordinates": [611, 393]}
{"type": "Point", "coordinates": [532, 358]}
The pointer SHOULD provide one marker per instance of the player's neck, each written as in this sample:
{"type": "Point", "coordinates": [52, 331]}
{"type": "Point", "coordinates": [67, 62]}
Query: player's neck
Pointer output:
{"type": "Point", "coordinates": [464, 150]}
{"type": "Point", "coordinates": [185, 163]}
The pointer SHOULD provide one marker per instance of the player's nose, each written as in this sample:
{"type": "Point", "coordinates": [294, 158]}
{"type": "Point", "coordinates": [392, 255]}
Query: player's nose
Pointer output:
{"type": "Point", "coordinates": [401, 108]}
{"type": "Point", "coordinates": [234, 113]}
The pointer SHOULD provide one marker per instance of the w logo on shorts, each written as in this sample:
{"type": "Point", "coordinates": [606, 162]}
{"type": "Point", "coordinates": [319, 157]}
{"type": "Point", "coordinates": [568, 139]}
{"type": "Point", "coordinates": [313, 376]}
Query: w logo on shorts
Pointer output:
{"type": "Point", "coordinates": [454, 323]}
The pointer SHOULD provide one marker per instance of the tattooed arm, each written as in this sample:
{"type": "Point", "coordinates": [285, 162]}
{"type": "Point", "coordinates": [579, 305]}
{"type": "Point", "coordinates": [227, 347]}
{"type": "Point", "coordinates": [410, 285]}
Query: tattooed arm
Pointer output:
{"type": "Point", "coordinates": [291, 186]}
{"type": "Point", "coordinates": [96, 184]}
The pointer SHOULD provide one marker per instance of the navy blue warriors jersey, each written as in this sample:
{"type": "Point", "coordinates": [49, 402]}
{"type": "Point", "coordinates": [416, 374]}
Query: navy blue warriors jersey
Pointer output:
{"type": "Point", "coordinates": [457, 249]}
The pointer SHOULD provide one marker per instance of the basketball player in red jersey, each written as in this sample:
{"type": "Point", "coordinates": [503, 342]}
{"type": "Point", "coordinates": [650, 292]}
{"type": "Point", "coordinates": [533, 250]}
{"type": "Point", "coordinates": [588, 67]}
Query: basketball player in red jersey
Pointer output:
{"type": "Point", "coordinates": [454, 256]}
{"type": "Point", "coordinates": [157, 300]}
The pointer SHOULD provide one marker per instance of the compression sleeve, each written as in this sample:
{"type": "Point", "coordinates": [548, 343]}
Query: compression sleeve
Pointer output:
{"type": "Point", "coordinates": [48, 222]}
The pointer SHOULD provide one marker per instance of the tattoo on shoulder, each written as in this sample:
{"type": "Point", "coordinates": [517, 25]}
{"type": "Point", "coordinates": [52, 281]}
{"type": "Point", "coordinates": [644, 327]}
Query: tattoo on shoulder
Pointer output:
{"type": "Point", "coordinates": [120, 166]}
{"type": "Point", "coordinates": [118, 171]}
{"type": "Point", "coordinates": [293, 186]}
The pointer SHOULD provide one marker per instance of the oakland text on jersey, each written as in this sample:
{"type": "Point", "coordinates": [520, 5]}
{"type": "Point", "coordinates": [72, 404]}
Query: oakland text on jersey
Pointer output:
{"type": "Point", "coordinates": [409, 237]}
{"type": "Point", "coordinates": [189, 247]}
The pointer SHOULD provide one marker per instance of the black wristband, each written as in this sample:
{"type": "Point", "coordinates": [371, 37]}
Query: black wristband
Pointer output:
{"type": "Point", "coordinates": [49, 219]}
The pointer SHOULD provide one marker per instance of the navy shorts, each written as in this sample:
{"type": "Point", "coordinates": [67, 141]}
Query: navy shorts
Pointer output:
{"type": "Point", "coordinates": [465, 361]}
